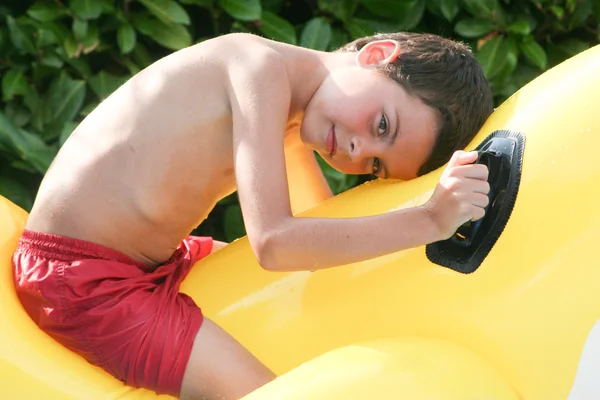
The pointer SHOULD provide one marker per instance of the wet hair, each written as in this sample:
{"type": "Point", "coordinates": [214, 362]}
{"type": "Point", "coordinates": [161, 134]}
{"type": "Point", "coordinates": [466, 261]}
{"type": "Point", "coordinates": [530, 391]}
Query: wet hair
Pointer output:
{"type": "Point", "coordinates": [445, 75]}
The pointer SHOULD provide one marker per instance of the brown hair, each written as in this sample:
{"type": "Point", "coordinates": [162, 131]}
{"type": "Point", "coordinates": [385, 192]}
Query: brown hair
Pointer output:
{"type": "Point", "coordinates": [445, 75]}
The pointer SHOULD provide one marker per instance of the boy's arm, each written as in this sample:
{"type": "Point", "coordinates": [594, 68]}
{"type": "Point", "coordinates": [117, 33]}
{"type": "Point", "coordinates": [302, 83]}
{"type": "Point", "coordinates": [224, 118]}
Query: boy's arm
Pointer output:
{"type": "Point", "coordinates": [260, 101]}
{"type": "Point", "coordinates": [308, 186]}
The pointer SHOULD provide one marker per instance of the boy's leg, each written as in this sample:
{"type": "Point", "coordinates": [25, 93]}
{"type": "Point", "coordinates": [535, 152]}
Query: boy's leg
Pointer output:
{"type": "Point", "coordinates": [220, 367]}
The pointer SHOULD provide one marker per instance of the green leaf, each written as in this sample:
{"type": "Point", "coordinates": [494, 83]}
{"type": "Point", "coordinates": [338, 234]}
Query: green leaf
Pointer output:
{"type": "Point", "coordinates": [450, 8]}
{"type": "Point", "coordinates": [28, 146]}
{"type": "Point", "coordinates": [273, 6]}
{"type": "Point", "coordinates": [359, 27]}
{"type": "Point", "coordinates": [390, 9]}
{"type": "Point", "coordinates": [50, 59]}
{"type": "Point", "coordinates": [71, 47]}
{"type": "Point", "coordinates": [34, 151]}
{"type": "Point", "coordinates": [244, 10]}
{"type": "Point", "coordinates": [16, 192]}
{"type": "Point", "coordinates": [233, 223]}
{"type": "Point", "coordinates": [5, 45]}
{"type": "Point", "coordinates": [557, 11]}
{"type": "Point", "coordinates": [141, 56]}
{"type": "Point", "coordinates": [167, 11]}
{"type": "Point", "coordinates": [44, 10]}
{"type": "Point", "coordinates": [486, 9]}
{"type": "Point", "coordinates": [572, 46]}
{"type": "Point", "coordinates": [339, 38]}
{"type": "Point", "coordinates": [316, 34]}
{"type": "Point", "coordinates": [66, 131]}
{"type": "Point", "coordinates": [91, 40]}
{"type": "Point", "coordinates": [520, 27]}
{"type": "Point", "coordinates": [21, 36]}
{"type": "Point", "coordinates": [20, 116]}
{"type": "Point", "coordinates": [342, 9]}
{"type": "Point", "coordinates": [22, 165]}
{"type": "Point", "coordinates": [65, 98]}
{"type": "Point", "coordinates": [512, 59]}
{"type": "Point", "coordinates": [524, 74]}
{"type": "Point", "coordinates": [434, 7]}
{"type": "Point", "coordinates": [492, 56]}
{"type": "Point", "coordinates": [126, 38]}
{"type": "Point", "coordinates": [46, 37]}
{"type": "Point", "coordinates": [534, 52]}
{"type": "Point", "coordinates": [8, 133]}
{"type": "Point", "coordinates": [474, 28]}
{"type": "Point", "coordinates": [201, 3]}
{"type": "Point", "coordinates": [13, 83]}
{"type": "Point", "coordinates": [86, 9]}
{"type": "Point", "coordinates": [277, 28]}
{"type": "Point", "coordinates": [171, 36]}
{"type": "Point", "coordinates": [581, 14]}
{"type": "Point", "coordinates": [34, 103]}
{"type": "Point", "coordinates": [80, 29]}
{"type": "Point", "coordinates": [107, 6]}
{"type": "Point", "coordinates": [597, 10]}
{"type": "Point", "coordinates": [87, 110]}
{"type": "Point", "coordinates": [103, 84]}
{"type": "Point", "coordinates": [413, 15]}
{"type": "Point", "coordinates": [54, 32]}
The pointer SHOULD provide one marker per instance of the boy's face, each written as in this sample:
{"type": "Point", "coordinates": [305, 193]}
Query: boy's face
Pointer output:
{"type": "Point", "coordinates": [362, 122]}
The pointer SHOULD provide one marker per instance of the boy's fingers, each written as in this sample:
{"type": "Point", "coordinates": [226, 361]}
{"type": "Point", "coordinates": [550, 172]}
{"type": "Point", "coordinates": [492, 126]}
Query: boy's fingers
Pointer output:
{"type": "Point", "coordinates": [462, 158]}
{"type": "Point", "coordinates": [471, 171]}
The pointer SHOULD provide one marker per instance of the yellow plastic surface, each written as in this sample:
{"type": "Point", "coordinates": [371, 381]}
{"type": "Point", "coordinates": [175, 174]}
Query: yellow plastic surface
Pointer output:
{"type": "Point", "coordinates": [517, 325]}
{"type": "Point", "coordinates": [408, 368]}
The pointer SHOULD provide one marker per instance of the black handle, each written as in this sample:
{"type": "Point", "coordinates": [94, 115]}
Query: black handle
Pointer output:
{"type": "Point", "coordinates": [502, 153]}
{"type": "Point", "coordinates": [497, 158]}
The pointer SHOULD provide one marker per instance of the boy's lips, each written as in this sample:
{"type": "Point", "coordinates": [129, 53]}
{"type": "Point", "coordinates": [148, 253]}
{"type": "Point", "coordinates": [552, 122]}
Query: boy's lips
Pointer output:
{"type": "Point", "coordinates": [331, 142]}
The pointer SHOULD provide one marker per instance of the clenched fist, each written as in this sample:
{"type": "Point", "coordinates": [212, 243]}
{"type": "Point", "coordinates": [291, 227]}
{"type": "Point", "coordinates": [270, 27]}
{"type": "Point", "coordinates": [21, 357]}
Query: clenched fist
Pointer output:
{"type": "Point", "coordinates": [460, 195]}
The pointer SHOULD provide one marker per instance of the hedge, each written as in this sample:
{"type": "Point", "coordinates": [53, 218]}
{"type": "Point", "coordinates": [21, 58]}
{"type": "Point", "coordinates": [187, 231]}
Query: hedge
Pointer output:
{"type": "Point", "coordinates": [59, 59]}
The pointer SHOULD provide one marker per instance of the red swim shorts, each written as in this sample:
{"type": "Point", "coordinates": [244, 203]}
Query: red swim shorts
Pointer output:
{"type": "Point", "coordinates": [114, 311]}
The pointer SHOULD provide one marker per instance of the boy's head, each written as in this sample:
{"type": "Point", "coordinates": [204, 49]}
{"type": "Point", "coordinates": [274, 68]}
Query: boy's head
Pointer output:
{"type": "Point", "coordinates": [439, 101]}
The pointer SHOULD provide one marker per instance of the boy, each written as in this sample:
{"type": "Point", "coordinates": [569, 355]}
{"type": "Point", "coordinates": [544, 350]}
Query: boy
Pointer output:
{"type": "Point", "coordinates": [106, 244]}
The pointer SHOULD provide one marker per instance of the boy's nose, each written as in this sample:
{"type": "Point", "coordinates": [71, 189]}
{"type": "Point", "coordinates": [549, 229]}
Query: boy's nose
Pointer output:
{"type": "Point", "coordinates": [361, 148]}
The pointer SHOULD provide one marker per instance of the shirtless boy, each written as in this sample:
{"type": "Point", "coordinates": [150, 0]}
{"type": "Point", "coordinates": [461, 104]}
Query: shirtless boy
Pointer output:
{"type": "Point", "coordinates": [107, 242]}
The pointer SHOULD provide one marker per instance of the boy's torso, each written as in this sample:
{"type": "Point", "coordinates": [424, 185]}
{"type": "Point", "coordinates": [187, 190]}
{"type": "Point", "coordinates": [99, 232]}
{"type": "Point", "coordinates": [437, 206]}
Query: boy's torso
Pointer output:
{"type": "Point", "coordinates": [149, 164]}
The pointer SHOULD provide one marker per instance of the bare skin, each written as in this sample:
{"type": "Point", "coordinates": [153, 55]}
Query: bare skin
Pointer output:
{"type": "Point", "coordinates": [149, 164]}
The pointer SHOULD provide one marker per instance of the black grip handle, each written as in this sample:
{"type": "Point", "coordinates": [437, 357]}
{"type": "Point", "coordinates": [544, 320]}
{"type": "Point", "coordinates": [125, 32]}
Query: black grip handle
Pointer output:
{"type": "Point", "coordinates": [502, 153]}
{"type": "Point", "coordinates": [494, 160]}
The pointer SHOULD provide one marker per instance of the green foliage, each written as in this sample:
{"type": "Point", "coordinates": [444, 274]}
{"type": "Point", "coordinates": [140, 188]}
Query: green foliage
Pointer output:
{"type": "Point", "coordinates": [59, 58]}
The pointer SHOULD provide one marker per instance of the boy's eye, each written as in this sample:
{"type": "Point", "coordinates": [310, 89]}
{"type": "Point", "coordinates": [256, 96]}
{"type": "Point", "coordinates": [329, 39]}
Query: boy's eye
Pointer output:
{"type": "Point", "coordinates": [376, 166]}
{"type": "Point", "coordinates": [383, 126]}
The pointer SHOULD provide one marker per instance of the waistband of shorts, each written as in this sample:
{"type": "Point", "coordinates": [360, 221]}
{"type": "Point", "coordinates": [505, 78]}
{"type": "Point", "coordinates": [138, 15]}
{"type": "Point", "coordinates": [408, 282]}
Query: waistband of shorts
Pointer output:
{"type": "Point", "coordinates": [64, 248]}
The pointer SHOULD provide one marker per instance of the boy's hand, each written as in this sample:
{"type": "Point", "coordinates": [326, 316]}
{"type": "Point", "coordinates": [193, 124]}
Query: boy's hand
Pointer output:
{"type": "Point", "coordinates": [461, 194]}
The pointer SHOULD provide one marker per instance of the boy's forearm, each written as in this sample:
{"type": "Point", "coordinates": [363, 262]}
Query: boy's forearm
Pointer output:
{"type": "Point", "coordinates": [318, 243]}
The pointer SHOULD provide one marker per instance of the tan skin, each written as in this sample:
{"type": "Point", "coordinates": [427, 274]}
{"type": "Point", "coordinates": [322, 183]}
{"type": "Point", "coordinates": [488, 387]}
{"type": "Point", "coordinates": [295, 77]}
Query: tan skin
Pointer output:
{"type": "Point", "coordinates": [149, 164]}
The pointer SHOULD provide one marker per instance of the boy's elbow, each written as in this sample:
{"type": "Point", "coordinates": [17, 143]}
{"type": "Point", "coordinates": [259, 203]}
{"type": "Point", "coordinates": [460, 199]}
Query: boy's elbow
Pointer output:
{"type": "Point", "coordinates": [269, 250]}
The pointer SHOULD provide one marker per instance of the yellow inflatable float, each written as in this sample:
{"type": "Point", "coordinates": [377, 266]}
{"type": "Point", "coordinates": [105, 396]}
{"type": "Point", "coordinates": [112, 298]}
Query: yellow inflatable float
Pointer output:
{"type": "Point", "coordinates": [507, 309]}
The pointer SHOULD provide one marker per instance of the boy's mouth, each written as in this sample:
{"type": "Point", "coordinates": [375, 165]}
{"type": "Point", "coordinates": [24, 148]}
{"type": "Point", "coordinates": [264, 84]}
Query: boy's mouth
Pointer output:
{"type": "Point", "coordinates": [331, 142]}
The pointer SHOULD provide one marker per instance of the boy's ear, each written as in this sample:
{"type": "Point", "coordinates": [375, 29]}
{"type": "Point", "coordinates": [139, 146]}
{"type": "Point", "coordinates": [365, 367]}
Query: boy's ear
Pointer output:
{"type": "Point", "coordinates": [378, 52]}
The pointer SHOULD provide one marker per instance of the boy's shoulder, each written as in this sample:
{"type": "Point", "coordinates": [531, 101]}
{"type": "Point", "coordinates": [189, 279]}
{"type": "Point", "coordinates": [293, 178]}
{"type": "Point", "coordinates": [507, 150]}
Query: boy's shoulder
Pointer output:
{"type": "Point", "coordinates": [250, 57]}
{"type": "Point", "coordinates": [238, 44]}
